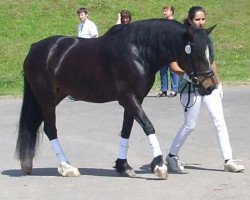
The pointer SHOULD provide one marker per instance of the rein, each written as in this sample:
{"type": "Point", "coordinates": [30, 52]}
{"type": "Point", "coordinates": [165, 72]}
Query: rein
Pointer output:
{"type": "Point", "coordinates": [189, 84]}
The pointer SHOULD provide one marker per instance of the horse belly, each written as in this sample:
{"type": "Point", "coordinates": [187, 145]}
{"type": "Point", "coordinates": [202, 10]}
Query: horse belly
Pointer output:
{"type": "Point", "coordinates": [88, 86]}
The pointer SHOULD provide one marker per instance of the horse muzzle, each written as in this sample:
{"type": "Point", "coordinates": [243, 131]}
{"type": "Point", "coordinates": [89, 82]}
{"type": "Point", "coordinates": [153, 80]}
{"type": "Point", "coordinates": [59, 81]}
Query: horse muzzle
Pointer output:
{"type": "Point", "coordinates": [205, 83]}
{"type": "Point", "coordinates": [205, 91]}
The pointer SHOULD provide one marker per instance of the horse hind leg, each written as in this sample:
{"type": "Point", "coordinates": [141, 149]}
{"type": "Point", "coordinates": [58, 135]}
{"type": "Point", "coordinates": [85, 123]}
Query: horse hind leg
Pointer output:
{"type": "Point", "coordinates": [35, 109]}
{"type": "Point", "coordinates": [121, 164]}
{"type": "Point", "coordinates": [123, 168]}
{"type": "Point", "coordinates": [65, 169]}
{"type": "Point", "coordinates": [68, 170]}
{"type": "Point", "coordinates": [48, 109]}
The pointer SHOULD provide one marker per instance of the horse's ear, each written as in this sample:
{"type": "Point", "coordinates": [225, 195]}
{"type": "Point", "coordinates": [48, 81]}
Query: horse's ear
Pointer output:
{"type": "Point", "coordinates": [209, 30]}
{"type": "Point", "coordinates": [191, 31]}
{"type": "Point", "coordinates": [189, 34]}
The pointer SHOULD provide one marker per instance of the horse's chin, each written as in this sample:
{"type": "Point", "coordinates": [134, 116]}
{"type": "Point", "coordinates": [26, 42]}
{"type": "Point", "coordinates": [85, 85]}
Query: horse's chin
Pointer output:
{"type": "Point", "coordinates": [205, 91]}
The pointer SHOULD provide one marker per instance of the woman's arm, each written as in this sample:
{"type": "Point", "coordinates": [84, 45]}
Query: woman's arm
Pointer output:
{"type": "Point", "coordinates": [118, 19]}
{"type": "Point", "coordinates": [176, 68]}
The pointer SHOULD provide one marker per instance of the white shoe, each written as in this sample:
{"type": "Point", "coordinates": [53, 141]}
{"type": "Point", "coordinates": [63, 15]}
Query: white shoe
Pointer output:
{"type": "Point", "coordinates": [174, 164]}
{"type": "Point", "coordinates": [233, 166]}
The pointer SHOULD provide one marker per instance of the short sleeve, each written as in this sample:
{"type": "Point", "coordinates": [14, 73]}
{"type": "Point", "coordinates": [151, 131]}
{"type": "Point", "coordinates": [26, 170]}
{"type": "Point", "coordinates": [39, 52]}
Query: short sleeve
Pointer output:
{"type": "Point", "coordinates": [211, 44]}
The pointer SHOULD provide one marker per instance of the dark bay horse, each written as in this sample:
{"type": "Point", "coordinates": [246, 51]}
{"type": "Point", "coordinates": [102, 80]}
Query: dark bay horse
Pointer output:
{"type": "Point", "coordinates": [118, 66]}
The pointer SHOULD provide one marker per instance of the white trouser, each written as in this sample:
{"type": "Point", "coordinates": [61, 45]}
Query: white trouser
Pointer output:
{"type": "Point", "coordinates": [214, 105]}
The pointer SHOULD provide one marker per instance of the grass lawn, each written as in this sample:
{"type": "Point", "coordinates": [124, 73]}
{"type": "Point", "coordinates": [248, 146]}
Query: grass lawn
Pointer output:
{"type": "Point", "coordinates": [24, 22]}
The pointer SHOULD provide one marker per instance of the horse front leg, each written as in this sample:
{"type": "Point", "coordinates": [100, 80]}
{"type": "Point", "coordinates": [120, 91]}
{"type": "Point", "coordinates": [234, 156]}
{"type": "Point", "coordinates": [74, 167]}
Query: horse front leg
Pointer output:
{"type": "Point", "coordinates": [121, 164]}
{"type": "Point", "coordinates": [133, 105]}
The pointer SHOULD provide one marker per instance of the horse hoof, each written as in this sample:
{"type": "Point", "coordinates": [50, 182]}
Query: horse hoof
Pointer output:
{"type": "Point", "coordinates": [129, 173]}
{"type": "Point", "coordinates": [161, 172]}
{"type": "Point", "coordinates": [123, 168]}
{"type": "Point", "coordinates": [159, 168]}
{"type": "Point", "coordinates": [67, 170]}
{"type": "Point", "coordinates": [27, 165]}
{"type": "Point", "coordinates": [26, 169]}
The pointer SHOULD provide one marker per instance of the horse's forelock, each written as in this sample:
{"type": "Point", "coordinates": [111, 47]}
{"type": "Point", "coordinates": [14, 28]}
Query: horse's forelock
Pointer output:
{"type": "Point", "coordinates": [201, 40]}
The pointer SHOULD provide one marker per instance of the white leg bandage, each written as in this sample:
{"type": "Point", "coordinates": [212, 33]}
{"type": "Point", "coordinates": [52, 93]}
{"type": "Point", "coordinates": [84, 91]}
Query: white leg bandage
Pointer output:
{"type": "Point", "coordinates": [123, 148]}
{"type": "Point", "coordinates": [58, 150]}
{"type": "Point", "coordinates": [154, 145]}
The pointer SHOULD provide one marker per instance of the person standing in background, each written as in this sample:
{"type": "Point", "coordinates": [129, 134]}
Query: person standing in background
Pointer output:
{"type": "Point", "coordinates": [168, 12]}
{"type": "Point", "coordinates": [124, 17]}
{"type": "Point", "coordinates": [87, 28]}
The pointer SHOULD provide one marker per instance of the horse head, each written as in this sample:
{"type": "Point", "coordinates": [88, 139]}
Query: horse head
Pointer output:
{"type": "Point", "coordinates": [197, 59]}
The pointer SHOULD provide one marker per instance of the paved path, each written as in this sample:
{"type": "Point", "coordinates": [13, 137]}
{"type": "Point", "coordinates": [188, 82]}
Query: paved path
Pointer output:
{"type": "Point", "coordinates": [89, 134]}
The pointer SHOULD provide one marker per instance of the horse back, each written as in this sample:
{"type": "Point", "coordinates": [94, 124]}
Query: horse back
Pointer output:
{"type": "Point", "coordinates": [93, 70]}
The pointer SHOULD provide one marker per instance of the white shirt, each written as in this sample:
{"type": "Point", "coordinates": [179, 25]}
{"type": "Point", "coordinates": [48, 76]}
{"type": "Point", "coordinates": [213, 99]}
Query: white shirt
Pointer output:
{"type": "Point", "coordinates": [87, 29]}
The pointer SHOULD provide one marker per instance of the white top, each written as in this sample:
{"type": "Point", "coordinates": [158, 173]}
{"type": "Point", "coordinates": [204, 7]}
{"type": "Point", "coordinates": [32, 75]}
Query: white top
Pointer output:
{"type": "Point", "coordinates": [87, 29]}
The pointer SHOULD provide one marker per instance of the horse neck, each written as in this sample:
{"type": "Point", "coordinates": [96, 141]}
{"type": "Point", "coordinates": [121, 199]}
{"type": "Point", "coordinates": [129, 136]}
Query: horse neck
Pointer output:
{"type": "Point", "coordinates": [156, 47]}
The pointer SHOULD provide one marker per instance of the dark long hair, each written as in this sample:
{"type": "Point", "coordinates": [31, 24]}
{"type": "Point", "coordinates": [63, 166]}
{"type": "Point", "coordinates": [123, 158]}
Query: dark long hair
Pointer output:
{"type": "Point", "coordinates": [191, 14]}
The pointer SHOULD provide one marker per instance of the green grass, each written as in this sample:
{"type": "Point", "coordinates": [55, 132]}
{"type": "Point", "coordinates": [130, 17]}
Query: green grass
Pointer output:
{"type": "Point", "coordinates": [26, 21]}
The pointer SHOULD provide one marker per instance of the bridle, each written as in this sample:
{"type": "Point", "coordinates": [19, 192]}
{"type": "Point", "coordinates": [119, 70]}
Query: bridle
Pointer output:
{"type": "Point", "coordinates": [194, 74]}
{"type": "Point", "coordinates": [194, 77]}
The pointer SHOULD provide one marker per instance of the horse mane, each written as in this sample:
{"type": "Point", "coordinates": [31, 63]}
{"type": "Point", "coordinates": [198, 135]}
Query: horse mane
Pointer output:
{"type": "Point", "coordinates": [143, 26]}
{"type": "Point", "coordinates": [148, 36]}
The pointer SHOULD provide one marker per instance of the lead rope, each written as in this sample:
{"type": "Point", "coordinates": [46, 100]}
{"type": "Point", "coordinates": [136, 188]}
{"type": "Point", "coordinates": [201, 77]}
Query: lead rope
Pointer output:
{"type": "Point", "coordinates": [189, 84]}
{"type": "Point", "coordinates": [188, 50]}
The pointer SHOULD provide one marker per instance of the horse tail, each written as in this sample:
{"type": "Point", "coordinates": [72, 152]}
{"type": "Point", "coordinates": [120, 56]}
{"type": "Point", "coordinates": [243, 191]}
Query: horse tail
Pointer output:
{"type": "Point", "coordinates": [29, 123]}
